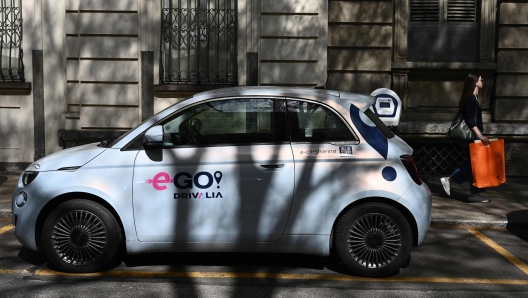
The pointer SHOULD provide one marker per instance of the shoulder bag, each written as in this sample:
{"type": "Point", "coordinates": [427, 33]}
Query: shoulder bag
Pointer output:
{"type": "Point", "coordinates": [459, 129]}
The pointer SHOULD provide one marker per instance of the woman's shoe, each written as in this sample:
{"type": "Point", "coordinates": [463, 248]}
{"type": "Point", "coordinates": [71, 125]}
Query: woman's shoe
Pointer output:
{"type": "Point", "coordinates": [446, 185]}
{"type": "Point", "coordinates": [477, 198]}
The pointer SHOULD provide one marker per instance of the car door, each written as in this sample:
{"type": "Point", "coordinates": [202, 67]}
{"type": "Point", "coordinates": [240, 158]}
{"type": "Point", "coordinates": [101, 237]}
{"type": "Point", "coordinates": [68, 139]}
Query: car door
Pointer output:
{"type": "Point", "coordinates": [325, 151]}
{"type": "Point", "coordinates": [225, 174]}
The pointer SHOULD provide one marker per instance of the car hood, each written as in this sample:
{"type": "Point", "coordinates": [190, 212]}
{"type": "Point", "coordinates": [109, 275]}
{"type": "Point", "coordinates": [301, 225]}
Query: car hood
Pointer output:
{"type": "Point", "coordinates": [67, 159]}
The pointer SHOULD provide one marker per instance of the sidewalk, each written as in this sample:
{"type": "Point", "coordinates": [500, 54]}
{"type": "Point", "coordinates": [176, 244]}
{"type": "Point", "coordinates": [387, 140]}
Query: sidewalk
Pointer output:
{"type": "Point", "coordinates": [508, 206]}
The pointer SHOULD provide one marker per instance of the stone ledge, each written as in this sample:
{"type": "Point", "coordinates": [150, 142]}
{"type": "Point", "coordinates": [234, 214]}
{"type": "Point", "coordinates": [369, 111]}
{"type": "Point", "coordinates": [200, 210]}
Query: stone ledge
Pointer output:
{"type": "Point", "coordinates": [13, 166]}
{"type": "Point", "coordinates": [71, 138]}
{"type": "Point", "coordinates": [441, 127]}
{"type": "Point", "coordinates": [15, 88]}
{"type": "Point", "coordinates": [404, 65]}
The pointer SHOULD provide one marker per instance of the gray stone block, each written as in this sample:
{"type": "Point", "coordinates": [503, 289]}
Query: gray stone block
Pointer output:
{"type": "Point", "coordinates": [513, 37]}
{"type": "Point", "coordinates": [364, 59]}
{"type": "Point", "coordinates": [513, 61]}
{"type": "Point", "coordinates": [360, 12]}
{"type": "Point", "coordinates": [513, 13]}
{"type": "Point", "coordinates": [360, 35]}
{"type": "Point", "coordinates": [512, 85]}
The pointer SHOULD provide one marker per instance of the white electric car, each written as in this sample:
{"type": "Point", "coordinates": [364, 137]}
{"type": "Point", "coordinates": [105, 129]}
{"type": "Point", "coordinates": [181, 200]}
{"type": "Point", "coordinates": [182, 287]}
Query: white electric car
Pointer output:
{"type": "Point", "coordinates": [247, 169]}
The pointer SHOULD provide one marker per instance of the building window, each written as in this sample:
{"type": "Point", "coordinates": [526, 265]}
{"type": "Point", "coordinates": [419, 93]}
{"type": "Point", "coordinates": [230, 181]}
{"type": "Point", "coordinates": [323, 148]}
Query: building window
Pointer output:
{"type": "Point", "coordinates": [12, 68]}
{"type": "Point", "coordinates": [198, 43]}
{"type": "Point", "coordinates": [444, 31]}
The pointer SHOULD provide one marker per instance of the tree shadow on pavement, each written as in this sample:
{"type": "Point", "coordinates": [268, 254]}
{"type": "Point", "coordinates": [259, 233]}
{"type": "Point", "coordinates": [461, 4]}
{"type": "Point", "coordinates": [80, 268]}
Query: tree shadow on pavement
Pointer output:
{"type": "Point", "coordinates": [518, 224]}
{"type": "Point", "coordinates": [235, 261]}
{"type": "Point", "coordinates": [32, 257]}
{"type": "Point", "coordinates": [438, 190]}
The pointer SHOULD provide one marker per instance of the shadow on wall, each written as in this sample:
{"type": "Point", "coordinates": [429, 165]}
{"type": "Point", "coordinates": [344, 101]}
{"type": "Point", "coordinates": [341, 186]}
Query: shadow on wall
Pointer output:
{"type": "Point", "coordinates": [3, 179]}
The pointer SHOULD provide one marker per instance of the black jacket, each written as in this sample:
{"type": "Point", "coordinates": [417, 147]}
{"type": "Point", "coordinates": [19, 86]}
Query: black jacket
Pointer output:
{"type": "Point", "coordinates": [468, 110]}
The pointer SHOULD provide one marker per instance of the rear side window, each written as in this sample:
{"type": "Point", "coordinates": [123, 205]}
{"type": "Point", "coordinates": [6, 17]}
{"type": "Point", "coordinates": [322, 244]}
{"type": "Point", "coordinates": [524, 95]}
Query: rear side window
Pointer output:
{"type": "Point", "coordinates": [313, 123]}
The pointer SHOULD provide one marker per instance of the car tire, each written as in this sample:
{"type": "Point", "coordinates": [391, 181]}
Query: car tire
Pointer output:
{"type": "Point", "coordinates": [373, 240]}
{"type": "Point", "coordinates": [81, 236]}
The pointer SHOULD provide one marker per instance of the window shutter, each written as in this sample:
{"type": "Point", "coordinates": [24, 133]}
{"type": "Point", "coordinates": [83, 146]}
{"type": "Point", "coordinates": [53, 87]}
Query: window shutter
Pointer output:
{"type": "Point", "coordinates": [425, 10]}
{"type": "Point", "coordinates": [461, 10]}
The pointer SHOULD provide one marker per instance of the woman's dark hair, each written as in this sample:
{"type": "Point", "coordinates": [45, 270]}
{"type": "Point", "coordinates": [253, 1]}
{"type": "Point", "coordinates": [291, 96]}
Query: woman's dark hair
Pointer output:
{"type": "Point", "coordinates": [469, 88]}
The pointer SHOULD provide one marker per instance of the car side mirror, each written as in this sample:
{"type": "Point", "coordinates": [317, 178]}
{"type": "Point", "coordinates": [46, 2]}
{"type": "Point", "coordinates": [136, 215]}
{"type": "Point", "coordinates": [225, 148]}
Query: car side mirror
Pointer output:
{"type": "Point", "coordinates": [153, 137]}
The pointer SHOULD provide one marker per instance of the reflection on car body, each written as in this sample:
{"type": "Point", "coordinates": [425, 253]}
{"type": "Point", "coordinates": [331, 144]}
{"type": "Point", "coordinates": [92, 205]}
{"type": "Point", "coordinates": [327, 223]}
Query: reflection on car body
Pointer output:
{"type": "Point", "coordinates": [248, 169]}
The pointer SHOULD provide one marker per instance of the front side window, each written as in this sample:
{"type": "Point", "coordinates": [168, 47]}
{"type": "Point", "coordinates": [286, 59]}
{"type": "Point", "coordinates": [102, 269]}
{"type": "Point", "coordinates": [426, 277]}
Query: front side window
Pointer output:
{"type": "Point", "coordinates": [11, 66]}
{"type": "Point", "coordinates": [444, 30]}
{"type": "Point", "coordinates": [198, 42]}
{"type": "Point", "coordinates": [314, 123]}
{"type": "Point", "coordinates": [228, 122]}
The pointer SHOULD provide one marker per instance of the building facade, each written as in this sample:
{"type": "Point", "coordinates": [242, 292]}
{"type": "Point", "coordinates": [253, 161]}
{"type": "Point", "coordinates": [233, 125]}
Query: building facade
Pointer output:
{"type": "Point", "coordinates": [78, 71]}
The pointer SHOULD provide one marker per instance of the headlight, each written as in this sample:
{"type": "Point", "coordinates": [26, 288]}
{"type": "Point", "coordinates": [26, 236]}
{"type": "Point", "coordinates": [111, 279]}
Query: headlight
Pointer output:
{"type": "Point", "coordinates": [28, 177]}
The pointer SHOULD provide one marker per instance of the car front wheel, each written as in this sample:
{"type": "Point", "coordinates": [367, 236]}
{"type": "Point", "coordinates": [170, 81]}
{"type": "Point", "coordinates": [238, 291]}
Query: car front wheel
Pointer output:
{"type": "Point", "coordinates": [373, 240]}
{"type": "Point", "coordinates": [81, 236]}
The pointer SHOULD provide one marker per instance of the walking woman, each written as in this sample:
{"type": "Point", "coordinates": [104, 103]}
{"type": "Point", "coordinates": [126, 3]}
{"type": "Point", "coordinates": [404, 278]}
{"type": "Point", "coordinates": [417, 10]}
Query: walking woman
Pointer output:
{"type": "Point", "coordinates": [470, 108]}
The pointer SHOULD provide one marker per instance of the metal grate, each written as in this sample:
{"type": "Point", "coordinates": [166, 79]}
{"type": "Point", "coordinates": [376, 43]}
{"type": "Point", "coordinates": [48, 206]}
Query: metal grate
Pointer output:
{"type": "Point", "coordinates": [437, 159]}
{"type": "Point", "coordinates": [11, 65]}
{"type": "Point", "coordinates": [199, 42]}
{"type": "Point", "coordinates": [424, 10]}
{"type": "Point", "coordinates": [443, 10]}
{"type": "Point", "coordinates": [461, 10]}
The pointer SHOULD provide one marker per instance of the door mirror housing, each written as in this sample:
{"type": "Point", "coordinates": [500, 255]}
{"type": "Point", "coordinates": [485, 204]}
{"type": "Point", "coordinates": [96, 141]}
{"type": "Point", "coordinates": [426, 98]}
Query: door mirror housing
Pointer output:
{"type": "Point", "coordinates": [153, 137]}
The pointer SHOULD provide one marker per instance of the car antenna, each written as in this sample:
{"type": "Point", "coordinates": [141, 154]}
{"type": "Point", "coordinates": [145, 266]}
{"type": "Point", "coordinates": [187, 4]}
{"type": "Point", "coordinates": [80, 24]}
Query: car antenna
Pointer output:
{"type": "Point", "coordinates": [324, 86]}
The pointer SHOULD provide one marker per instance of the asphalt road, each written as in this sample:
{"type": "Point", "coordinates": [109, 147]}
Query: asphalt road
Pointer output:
{"type": "Point", "coordinates": [452, 262]}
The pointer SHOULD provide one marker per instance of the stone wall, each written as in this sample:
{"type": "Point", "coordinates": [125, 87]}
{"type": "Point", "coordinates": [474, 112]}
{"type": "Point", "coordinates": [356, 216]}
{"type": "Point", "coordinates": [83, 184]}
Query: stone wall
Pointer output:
{"type": "Point", "coordinates": [102, 64]}
{"type": "Point", "coordinates": [359, 45]}
{"type": "Point", "coordinates": [512, 74]}
{"type": "Point", "coordinates": [293, 38]}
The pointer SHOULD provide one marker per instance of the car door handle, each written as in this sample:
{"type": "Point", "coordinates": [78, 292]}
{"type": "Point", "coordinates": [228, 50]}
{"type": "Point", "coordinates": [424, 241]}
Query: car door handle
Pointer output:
{"type": "Point", "coordinates": [271, 167]}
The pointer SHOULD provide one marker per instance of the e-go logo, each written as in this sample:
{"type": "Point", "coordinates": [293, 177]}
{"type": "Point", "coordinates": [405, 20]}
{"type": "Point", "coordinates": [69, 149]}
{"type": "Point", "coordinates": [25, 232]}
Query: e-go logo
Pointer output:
{"type": "Point", "coordinates": [202, 180]}
{"type": "Point", "coordinates": [184, 180]}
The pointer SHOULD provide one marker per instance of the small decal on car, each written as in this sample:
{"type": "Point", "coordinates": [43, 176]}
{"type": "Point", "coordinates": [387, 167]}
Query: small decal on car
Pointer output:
{"type": "Point", "coordinates": [319, 151]}
{"type": "Point", "coordinates": [346, 151]}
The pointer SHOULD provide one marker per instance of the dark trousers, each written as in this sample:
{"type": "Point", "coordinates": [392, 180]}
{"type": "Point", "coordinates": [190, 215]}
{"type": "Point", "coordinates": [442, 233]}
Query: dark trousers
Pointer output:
{"type": "Point", "coordinates": [464, 173]}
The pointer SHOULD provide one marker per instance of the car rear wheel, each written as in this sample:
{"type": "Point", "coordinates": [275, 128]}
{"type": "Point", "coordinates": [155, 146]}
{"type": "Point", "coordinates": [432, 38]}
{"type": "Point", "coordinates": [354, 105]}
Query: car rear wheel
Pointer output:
{"type": "Point", "coordinates": [81, 236]}
{"type": "Point", "coordinates": [373, 240]}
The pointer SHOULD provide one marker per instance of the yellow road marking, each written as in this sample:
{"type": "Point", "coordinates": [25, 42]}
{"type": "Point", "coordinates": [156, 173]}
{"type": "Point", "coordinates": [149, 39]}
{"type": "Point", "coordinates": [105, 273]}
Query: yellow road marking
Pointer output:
{"type": "Point", "coordinates": [513, 259]}
{"type": "Point", "coordinates": [6, 228]}
{"type": "Point", "coordinates": [12, 271]}
{"type": "Point", "coordinates": [263, 275]}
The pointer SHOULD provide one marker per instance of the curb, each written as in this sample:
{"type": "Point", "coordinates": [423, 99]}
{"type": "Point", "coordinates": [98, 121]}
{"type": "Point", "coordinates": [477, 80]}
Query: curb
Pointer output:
{"type": "Point", "coordinates": [5, 212]}
{"type": "Point", "coordinates": [472, 223]}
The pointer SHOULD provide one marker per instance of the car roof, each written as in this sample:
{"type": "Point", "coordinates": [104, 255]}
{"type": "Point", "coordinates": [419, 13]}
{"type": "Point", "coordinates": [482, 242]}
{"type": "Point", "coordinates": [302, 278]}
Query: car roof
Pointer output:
{"type": "Point", "coordinates": [363, 102]}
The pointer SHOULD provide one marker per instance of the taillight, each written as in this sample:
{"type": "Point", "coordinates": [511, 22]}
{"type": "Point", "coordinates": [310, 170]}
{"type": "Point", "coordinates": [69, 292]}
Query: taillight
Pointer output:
{"type": "Point", "coordinates": [408, 162]}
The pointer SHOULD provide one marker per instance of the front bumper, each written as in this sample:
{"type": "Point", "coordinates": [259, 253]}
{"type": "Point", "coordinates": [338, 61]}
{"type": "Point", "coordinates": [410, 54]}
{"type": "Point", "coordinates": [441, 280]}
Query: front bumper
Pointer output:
{"type": "Point", "coordinates": [26, 216]}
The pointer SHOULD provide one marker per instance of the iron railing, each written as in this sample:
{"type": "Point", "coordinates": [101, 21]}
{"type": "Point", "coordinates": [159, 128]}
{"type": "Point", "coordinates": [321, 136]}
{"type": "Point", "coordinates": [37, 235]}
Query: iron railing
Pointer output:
{"type": "Point", "coordinates": [437, 159]}
{"type": "Point", "coordinates": [11, 65]}
{"type": "Point", "coordinates": [198, 43]}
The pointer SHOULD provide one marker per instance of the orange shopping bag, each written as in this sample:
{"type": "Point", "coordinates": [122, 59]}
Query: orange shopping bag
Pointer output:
{"type": "Point", "coordinates": [488, 163]}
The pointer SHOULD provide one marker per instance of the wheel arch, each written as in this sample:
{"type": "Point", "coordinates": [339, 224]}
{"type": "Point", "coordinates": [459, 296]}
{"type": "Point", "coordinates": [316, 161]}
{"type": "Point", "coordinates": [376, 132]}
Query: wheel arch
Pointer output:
{"type": "Point", "coordinates": [46, 210]}
{"type": "Point", "coordinates": [406, 213]}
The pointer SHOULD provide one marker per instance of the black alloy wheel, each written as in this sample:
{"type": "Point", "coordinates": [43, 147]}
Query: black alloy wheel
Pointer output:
{"type": "Point", "coordinates": [81, 236]}
{"type": "Point", "coordinates": [373, 240]}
